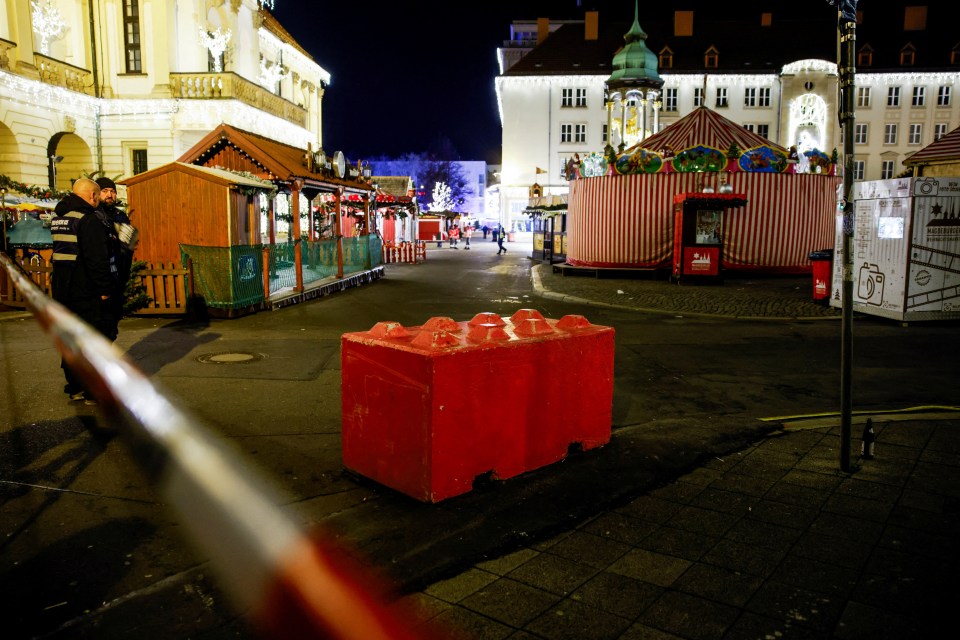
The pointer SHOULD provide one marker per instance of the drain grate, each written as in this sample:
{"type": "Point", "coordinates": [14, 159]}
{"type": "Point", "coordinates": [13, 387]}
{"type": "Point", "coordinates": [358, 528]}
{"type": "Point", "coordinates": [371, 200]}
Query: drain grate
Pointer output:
{"type": "Point", "coordinates": [229, 357]}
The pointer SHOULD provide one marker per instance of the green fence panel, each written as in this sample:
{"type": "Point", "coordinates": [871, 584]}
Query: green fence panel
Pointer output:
{"type": "Point", "coordinates": [283, 269]}
{"type": "Point", "coordinates": [375, 249]}
{"type": "Point", "coordinates": [355, 254]}
{"type": "Point", "coordinates": [320, 261]}
{"type": "Point", "coordinates": [226, 277]}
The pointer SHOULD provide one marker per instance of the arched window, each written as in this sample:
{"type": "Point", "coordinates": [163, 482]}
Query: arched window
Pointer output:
{"type": "Point", "coordinates": [865, 56]}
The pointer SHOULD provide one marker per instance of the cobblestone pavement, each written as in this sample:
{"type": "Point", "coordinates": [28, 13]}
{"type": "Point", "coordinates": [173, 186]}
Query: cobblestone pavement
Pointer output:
{"type": "Point", "coordinates": [787, 297]}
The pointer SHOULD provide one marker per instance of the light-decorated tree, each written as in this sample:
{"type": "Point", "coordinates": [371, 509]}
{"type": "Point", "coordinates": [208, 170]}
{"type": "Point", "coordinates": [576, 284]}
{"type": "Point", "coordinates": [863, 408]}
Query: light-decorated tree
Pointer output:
{"type": "Point", "coordinates": [442, 198]}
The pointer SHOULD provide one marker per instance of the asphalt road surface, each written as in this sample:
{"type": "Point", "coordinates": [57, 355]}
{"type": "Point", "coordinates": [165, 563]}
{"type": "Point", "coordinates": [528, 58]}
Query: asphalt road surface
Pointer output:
{"type": "Point", "coordinates": [89, 550]}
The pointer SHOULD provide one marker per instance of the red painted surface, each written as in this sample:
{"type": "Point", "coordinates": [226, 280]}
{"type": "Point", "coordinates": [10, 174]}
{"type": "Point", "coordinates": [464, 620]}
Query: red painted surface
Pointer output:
{"type": "Point", "coordinates": [701, 261]}
{"type": "Point", "coordinates": [412, 420]}
{"type": "Point", "coordinates": [822, 273]}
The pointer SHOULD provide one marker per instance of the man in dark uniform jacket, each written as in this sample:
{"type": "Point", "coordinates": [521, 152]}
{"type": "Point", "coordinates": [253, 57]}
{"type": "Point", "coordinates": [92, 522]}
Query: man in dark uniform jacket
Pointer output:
{"type": "Point", "coordinates": [82, 280]}
{"type": "Point", "coordinates": [123, 238]}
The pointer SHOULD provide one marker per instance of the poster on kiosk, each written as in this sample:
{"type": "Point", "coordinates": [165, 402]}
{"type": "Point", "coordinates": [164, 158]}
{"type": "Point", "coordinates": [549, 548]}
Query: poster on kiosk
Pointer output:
{"type": "Point", "coordinates": [906, 249]}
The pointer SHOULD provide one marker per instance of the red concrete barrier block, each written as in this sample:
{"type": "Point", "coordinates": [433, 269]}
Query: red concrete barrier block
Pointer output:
{"type": "Point", "coordinates": [413, 422]}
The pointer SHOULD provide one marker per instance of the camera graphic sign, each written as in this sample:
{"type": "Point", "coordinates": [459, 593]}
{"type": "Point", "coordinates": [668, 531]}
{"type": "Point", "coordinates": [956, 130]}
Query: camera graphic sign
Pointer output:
{"type": "Point", "coordinates": [906, 249]}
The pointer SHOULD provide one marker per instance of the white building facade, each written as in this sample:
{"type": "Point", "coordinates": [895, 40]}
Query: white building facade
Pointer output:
{"type": "Point", "coordinates": [122, 86]}
{"type": "Point", "coordinates": [551, 108]}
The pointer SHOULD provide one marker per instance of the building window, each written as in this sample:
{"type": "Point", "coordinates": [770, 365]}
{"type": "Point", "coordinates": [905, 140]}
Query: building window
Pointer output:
{"type": "Point", "coordinates": [763, 130]}
{"type": "Point", "coordinates": [750, 97]}
{"type": "Point", "coordinates": [955, 55]}
{"type": "Point", "coordinates": [907, 55]}
{"type": "Point", "coordinates": [890, 134]}
{"type": "Point", "coordinates": [579, 132]}
{"type": "Point", "coordinates": [131, 35]}
{"type": "Point", "coordinates": [919, 96]}
{"type": "Point", "coordinates": [721, 96]}
{"type": "Point", "coordinates": [863, 96]}
{"type": "Point", "coordinates": [858, 169]}
{"type": "Point", "coordinates": [860, 134]}
{"type": "Point", "coordinates": [886, 170]}
{"type": "Point", "coordinates": [670, 99]}
{"type": "Point", "coordinates": [916, 133]}
{"type": "Point", "coordinates": [939, 130]}
{"type": "Point", "coordinates": [748, 127]}
{"type": "Point", "coordinates": [865, 56]}
{"type": "Point", "coordinates": [573, 97]}
{"type": "Point", "coordinates": [711, 58]}
{"type": "Point", "coordinates": [943, 96]}
{"type": "Point", "coordinates": [139, 157]}
{"type": "Point", "coordinates": [566, 132]}
{"type": "Point", "coordinates": [698, 97]}
{"type": "Point", "coordinates": [763, 97]}
{"type": "Point", "coordinates": [893, 97]}
{"type": "Point", "coordinates": [666, 58]}
{"type": "Point", "coordinates": [604, 134]}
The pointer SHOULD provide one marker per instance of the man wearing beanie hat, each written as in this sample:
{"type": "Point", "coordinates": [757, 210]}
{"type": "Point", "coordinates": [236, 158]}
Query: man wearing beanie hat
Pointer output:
{"type": "Point", "coordinates": [122, 240]}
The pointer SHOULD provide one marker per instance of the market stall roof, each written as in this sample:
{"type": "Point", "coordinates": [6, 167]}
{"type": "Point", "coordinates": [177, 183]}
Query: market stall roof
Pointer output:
{"type": "Point", "coordinates": [703, 126]}
{"type": "Point", "coordinates": [29, 232]}
{"type": "Point", "coordinates": [213, 174]}
{"type": "Point", "coordinates": [28, 203]}
{"type": "Point", "coordinates": [396, 186]}
{"type": "Point", "coordinates": [241, 150]}
{"type": "Point", "coordinates": [946, 149]}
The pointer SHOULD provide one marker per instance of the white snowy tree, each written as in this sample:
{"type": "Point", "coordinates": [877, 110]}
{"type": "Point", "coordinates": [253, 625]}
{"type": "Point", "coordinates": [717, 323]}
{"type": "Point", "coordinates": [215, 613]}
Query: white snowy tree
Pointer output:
{"type": "Point", "coordinates": [441, 197]}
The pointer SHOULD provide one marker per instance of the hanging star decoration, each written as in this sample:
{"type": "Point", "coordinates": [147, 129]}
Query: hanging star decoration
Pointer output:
{"type": "Point", "coordinates": [48, 23]}
{"type": "Point", "coordinates": [216, 43]}
{"type": "Point", "coordinates": [266, 3]}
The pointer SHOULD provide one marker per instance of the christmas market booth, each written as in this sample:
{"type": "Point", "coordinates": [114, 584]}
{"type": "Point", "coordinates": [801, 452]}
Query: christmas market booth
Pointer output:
{"type": "Point", "coordinates": [396, 208]}
{"type": "Point", "coordinates": [549, 216]}
{"type": "Point", "coordinates": [271, 225]}
{"type": "Point", "coordinates": [620, 210]}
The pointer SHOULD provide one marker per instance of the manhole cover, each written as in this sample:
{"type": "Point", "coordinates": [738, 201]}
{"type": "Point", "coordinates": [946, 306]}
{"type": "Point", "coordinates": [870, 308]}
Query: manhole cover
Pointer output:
{"type": "Point", "coordinates": [231, 357]}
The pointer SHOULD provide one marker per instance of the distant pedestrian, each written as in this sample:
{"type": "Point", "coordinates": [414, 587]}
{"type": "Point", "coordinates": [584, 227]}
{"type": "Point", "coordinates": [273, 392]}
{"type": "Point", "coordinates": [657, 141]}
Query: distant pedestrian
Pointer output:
{"type": "Point", "coordinates": [467, 232]}
{"type": "Point", "coordinates": [500, 233]}
{"type": "Point", "coordinates": [454, 235]}
{"type": "Point", "coordinates": [485, 230]}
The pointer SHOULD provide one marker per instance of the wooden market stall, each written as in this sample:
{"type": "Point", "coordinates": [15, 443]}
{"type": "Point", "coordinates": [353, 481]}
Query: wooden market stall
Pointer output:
{"type": "Point", "coordinates": [239, 229]}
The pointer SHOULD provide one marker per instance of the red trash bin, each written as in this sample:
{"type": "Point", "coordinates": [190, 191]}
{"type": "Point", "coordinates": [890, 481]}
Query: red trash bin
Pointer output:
{"type": "Point", "coordinates": [822, 262]}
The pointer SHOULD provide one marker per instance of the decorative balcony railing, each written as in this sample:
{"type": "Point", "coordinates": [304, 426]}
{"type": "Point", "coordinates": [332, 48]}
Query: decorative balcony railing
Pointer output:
{"type": "Point", "coordinates": [6, 53]}
{"type": "Point", "coordinates": [64, 75]}
{"type": "Point", "coordinates": [207, 86]}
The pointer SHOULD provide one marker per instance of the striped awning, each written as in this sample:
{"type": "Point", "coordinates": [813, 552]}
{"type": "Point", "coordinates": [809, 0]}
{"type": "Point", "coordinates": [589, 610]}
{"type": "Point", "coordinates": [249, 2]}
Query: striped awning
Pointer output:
{"type": "Point", "coordinates": [946, 148]}
{"type": "Point", "coordinates": [705, 127]}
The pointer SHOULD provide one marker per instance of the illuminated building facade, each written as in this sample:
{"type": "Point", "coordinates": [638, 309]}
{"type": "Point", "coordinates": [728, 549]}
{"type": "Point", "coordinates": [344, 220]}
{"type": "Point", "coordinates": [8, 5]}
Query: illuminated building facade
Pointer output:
{"type": "Point", "coordinates": [123, 86]}
{"type": "Point", "coordinates": [775, 73]}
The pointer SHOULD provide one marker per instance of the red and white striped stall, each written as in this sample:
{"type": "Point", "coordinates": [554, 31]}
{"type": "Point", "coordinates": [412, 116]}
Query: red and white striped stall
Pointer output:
{"type": "Point", "coordinates": [626, 221]}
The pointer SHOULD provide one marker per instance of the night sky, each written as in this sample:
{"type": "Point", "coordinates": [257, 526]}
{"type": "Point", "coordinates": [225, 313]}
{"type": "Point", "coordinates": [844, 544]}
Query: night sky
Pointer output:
{"type": "Point", "coordinates": [406, 75]}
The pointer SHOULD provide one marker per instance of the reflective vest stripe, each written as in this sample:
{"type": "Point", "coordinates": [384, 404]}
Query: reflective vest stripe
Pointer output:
{"type": "Point", "coordinates": [64, 237]}
{"type": "Point", "coordinates": [65, 256]}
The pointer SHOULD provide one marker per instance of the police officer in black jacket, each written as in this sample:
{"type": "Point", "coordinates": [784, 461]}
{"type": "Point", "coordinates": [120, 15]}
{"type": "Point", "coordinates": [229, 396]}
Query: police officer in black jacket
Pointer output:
{"type": "Point", "coordinates": [82, 279]}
